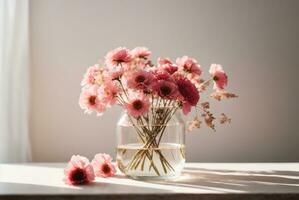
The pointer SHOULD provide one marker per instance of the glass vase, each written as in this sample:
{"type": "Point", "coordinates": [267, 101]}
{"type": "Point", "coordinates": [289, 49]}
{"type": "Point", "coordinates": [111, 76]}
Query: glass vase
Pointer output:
{"type": "Point", "coordinates": [151, 149]}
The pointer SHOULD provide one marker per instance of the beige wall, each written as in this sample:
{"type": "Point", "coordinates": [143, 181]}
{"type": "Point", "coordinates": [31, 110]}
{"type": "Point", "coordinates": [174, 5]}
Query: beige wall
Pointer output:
{"type": "Point", "coordinates": [255, 40]}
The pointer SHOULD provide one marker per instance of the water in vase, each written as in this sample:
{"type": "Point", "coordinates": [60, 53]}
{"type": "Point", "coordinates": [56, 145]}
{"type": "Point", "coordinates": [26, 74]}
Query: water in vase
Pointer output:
{"type": "Point", "coordinates": [165, 160]}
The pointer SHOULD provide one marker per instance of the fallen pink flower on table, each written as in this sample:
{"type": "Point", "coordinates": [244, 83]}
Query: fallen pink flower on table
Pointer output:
{"type": "Point", "coordinates": [78, 171]}
{"type": "Point", "coordinates": [102, 165]}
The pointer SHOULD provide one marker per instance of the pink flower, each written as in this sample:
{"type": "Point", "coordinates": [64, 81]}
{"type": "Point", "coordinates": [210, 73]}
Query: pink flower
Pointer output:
{"type": "Point", "coordinates": [90, 101]}
{"type": "Point", "coordinates": [78, 171]}
{"type": "Point", "coordinates": [116, 72]}
{"type": "Point", "coordinates": [167, 65]}
{"type": "Point", "coordinates": [163, 61]}
{"type": "Point", "coordinates": [140, 80]}
{"type": "Point", "coordinates": [170, 68]}
{"type": "Point", "coordinates": [219, 76]}
{"type": "Point", "coordinates": [90, 75]}
{"type": "Point", "coordinates": [108, 92]}
{"type": "Point", "coordinates": [118, 56]}
{"type": "Point", "coordinates": [166, 89]}
{"type": "Point", "coordinates": [141, 52]}
{"type": "Point", "coordinates": [162, 75]}
{"type": "Point", "coordinates": [102, 165]}
{"type": "Point", "coordinates": [188, 91]}
{"type": "Point", "coordinates": [138, 106]}
{"type": "Point", "coordinates": [186, 108]}
{"type": "Point", "coordinates": [188, 65]}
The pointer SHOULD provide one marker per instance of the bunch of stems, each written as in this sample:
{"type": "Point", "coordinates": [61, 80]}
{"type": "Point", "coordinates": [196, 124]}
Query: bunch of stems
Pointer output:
{"type": "Point", "coordinates": [150, 129]}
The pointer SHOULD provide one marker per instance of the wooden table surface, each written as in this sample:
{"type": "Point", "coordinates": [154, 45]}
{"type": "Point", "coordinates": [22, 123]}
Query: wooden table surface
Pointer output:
{"type": "Point", "coordinates": [198, 181]}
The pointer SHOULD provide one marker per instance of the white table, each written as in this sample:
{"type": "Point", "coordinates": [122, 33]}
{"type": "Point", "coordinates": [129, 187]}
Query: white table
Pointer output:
{"type": "Point", "coordinates": [198, 181]}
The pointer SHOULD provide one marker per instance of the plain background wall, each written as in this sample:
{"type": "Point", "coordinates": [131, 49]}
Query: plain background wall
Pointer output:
{"type": "Point", "coordinates": [255, 40]}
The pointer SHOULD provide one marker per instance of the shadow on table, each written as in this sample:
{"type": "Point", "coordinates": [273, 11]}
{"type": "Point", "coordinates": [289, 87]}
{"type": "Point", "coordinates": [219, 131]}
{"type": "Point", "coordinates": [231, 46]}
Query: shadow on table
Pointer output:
{"type": "Point", "coordinates": [239, 181]}
{"type": "Point", "coordinates": [192, 180]}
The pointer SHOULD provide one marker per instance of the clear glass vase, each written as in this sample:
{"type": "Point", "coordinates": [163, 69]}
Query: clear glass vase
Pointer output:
{"type": "Point", "coordinates": [152, 150]}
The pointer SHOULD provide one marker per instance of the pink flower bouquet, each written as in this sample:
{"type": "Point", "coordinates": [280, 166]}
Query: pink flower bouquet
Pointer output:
{"type": "Point", "coordinates": [152, 93]}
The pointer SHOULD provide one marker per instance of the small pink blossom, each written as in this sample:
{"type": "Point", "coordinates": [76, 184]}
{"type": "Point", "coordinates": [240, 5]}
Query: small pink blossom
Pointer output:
{"type": "Point", "coordinates": [163, 61]}
{"type": "Point", "coordinates": [219, 76]}
{"type": "Point", "coordinates": [167, 65]}
{"type": "Point", "coordinates": [171, 68]}
{"type": "Point", "coordinates": [108, 92]}
{"type": "Point", "coordinates": [140, 79]}
{"type": "Point", "coordinates": [141, 52]}
{"type": "Point", "coordinates": [90, 75]}
{"type": "Point", "coordinates": [102, 165]}
{"type": "Point", "coordinates": [188, 65]}
{"type": "Point", "coordinates": [140, 58]}
{"type": "Point", "coordinates": [138, 106]}
{"type": "Point", "coordinates": [118, 57]}
{"type": "Point", "coordinates": [78, 171]}
{"type": "Point", "coordinates": [116, 73]}
{"type": "Point", "coordinates": [166, 89]}
{"type": "Point", "coordinates": [90, 101]}
{"type": "Point", "coordinates": [162, 75]}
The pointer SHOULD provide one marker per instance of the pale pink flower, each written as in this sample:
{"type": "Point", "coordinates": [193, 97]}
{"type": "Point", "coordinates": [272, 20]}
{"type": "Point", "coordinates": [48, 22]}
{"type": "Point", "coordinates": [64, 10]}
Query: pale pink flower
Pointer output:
{"type": "Point", "coordinates": [90, 75]}
{"type": "Point", "coordinates": [140, 79]}
{"type": "Point", "coordinates": [90, 101]}
{"type": "Point", "coordinates": [188, 65]}
{"type": "Point", "coordinates": [118, 57]}
{"type": "Point", "coordinates": [162, 75]}
{"type": "Point", "coordinates": [167, 65]}
{"type": "Point", "coordinates": [102, 165]}
{"type": "Point", "coordinates": [78, 171]}
{"type": "Point", "coordinates": [219, 76]}
{"type": "Point", "coordinates": [165, 89]}
{"type": "Point", "coordinates": [116, 72]}
{"type": "Point", "coordinates": [170, 68]}
{"type": "Point", "coordinates": [108, 92]}
{"type": "Point", "coordinates": [163, 61]}
{"type": "Point", "coordinates": [138, 106]}
{"type": "Point", "coordinates": [140, 58]}
{"type": "Point", "coordinates": [141, 52]}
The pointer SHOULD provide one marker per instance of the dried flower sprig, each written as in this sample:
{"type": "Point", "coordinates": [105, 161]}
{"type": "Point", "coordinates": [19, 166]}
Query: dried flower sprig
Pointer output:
{"type": "Point", "coordinates": [221, 94]}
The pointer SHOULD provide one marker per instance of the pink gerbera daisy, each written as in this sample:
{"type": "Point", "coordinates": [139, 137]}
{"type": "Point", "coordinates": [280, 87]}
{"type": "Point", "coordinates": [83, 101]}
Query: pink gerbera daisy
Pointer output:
{"type": "Point", "coordinates": [163, 61]}
{"type": "Point", "coordinates": [167, 65]}
{"type": "Point", "coordinates": [162, 75]}
{"type": "Point", "coordinates": [188, 65]}
{"type": "Point", "coordinates": [102, 165]}
{"type": "Point", "coordinates": [141, 52]}
{"type": "Point", "coordinates": [119, 56]}
{"type": "Point", "coordinates": [90, 75]}
{"type": "Point", "coordinates": [219, 77]}
{"type": "Point", "coordinates": [138, 106]}
{"type": "Point", "coordinates": [90, 101]}
{"type": "Point", "coordinates": [165, 89]}
{"type": "Point", "coordinates": [188, 91]}
{"type": "Point", "coordinates": [78, 171]}
{"type": "Point", "coordinates": [108, 92]}
{"type": "Point", "coordinates": [140, 79]}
